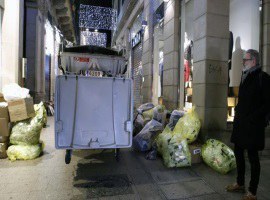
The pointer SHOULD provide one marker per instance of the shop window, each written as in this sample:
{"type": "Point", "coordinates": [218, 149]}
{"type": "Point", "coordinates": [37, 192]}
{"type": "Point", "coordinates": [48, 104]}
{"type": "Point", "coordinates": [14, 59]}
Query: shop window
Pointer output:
{"type": "Point", "coordinates": [186, 21]}
{"type": "Point", "coordinates": [158, 54]}
{"type": "Point", "coordinates": [242, 38]}
{"type": "Point", "coordinates": [188, 71]}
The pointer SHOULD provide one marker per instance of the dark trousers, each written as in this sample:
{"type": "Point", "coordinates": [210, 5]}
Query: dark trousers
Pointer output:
{"type": "Point", "coordinates": [254, 161]}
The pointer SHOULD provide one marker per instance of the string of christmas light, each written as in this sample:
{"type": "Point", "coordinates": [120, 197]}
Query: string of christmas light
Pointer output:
{"type": "Point", "coordinates": [95, 17]}
{"type": "Point", "coordinates": [93, 38]}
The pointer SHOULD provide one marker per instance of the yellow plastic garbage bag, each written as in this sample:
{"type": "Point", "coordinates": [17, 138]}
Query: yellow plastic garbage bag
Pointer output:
{"type": "Point", "coordinates": [27, 132]}
{"type": "Point", "coordinates": [188, 126]}
{"type": "Point", "coordinates": [24, 152]}
{"type": "Point", "coordinates": [218, 156]}
{"type": "Point", "coordinates": [40, 110]}
{"type": "Point", "coordinates": [174, 149]}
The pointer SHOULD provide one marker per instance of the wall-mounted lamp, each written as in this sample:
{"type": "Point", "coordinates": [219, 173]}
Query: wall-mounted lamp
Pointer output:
{"type": "Point", "coordinates": [144, 24]}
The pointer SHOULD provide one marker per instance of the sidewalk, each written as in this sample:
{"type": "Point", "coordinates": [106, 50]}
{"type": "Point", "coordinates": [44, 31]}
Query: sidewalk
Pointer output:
{"type": "Point", "coordinates": [97, 175]}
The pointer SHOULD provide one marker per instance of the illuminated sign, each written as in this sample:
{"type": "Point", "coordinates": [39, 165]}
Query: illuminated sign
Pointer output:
{"type": "Point", "coordinates": [137, 39]}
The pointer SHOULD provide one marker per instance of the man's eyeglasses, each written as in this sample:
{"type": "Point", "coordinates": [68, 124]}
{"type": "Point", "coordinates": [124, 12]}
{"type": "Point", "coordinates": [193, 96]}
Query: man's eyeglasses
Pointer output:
{"type": "Point", "coordinates": [244, 60]}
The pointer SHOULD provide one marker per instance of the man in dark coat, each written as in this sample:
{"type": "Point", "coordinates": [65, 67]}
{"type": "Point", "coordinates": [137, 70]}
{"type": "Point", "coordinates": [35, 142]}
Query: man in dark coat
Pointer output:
{"type": "Point", "coordinates": [250, 122]}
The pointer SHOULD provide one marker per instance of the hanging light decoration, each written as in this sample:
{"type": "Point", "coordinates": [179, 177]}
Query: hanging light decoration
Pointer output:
{"type": "Point", "coordinates": [95, 17]}
{"type": "Point", "coordinates": [93, 38]}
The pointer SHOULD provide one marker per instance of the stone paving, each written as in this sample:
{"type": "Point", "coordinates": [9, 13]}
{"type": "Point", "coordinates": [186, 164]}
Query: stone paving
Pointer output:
{"type": "Point", "coordinates": [96, 174]}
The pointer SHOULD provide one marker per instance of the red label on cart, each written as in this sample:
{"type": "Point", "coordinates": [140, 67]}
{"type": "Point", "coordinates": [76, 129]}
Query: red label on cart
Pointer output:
{"type": "Point", "coordinates": [81, 59]}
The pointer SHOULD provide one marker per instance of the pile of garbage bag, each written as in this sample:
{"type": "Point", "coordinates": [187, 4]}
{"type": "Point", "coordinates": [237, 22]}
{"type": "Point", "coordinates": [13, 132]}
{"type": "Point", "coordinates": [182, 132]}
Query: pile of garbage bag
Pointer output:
{"type": "Point", "coordinates": [145, 113]}
{"type": "Point", "coordinates": [25, 136]}
{"type": "Point", "coordinates": [140, 121]}
{"type": "Point", "coordinates": [218, 156]}
{"type": "Point", "coordinates": [177, 142]}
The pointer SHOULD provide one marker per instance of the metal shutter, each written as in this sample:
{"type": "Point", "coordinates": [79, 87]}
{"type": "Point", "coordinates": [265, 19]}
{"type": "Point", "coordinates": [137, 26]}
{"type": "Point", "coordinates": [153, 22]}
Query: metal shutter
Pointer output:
{"type": "Point", "coordinates": [137, 74]}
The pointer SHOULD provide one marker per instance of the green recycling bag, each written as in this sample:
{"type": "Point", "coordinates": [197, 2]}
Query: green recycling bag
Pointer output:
{"type": "Point", "coordinates": [218, 156]}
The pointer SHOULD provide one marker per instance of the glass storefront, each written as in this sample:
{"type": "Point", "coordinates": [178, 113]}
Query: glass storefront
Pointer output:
{"type": "Point", "coordinates": [244, 35]}
{"type": "Point", "coordinates": [158, 42]}
{"type": "Point", "coordinates": [186, 49]}
{"type": "Point", "coordinates": [245, 31]}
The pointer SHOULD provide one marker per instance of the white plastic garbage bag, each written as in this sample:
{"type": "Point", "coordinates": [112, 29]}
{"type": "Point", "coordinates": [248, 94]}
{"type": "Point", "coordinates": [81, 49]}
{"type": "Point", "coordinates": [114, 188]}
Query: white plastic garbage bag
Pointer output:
{"type": "Point", "coordinates": [14, 92]}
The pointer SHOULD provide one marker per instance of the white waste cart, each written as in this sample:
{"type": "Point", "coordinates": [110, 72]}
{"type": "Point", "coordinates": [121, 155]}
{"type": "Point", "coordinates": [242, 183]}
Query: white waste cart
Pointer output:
{"type": "Point", "coordinates": [93, 113]}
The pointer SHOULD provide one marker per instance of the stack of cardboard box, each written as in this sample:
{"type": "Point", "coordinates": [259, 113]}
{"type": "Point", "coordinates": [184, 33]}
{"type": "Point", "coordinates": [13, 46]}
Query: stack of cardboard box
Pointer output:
{"type": "Point", "coordinates": [4, 127]}
{"type": "Point", "coordinates": [12, 111]}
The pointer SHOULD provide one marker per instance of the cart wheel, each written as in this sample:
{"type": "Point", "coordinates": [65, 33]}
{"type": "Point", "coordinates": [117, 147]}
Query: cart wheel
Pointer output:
{"type": "Point", "coordinates": [116, 154]}
{"type": "Point", "coordinates": [68, 156]}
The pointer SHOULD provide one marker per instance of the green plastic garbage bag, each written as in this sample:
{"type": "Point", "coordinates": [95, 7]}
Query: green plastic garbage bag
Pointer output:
{"type": "Point", "coordinates": [188, 126]}
{"type": "Point", "coordinates": [40, 110]}
{"type": "Point", "coordinates": [218, 156]}
{"type": "Point", "coordinates": [24, 152]}
{"type": "Point", "coordinates": [27, 132]}
{"type": "Point", "coordinates": [174, 149]}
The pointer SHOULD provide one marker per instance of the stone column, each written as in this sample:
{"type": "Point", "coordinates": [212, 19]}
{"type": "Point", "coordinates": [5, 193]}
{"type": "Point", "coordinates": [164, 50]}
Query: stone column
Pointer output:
{"type": "Point", "coordinates": [210, 72]}
{"type": "Point", "coordinates": [266, 36]}
{"type": "Point", "coordinates": [40, 52]}
{"type": "Point", "coordinates": [147, 59]}
{"type": "Point", "coordinates": [12, 42]}
{"type": "Point", "coordinates": [171, 54]}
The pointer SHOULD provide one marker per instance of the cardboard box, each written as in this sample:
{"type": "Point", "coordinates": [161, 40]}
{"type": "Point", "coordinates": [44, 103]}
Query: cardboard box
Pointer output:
{"type": "Point", "coordinates": [2, 98]}
{"type": "Point", "coordinates": [4, 119]}
{"type": "Point", "coordinates": [3, 150]}
{"type": "Point", "coordinates": [21, 109]}
{"type": "Point", "coordinates": [4, 127]}
{"type": "Point", "coordinates": [3, 139]}
{"type": "Point", "coordinates": [195, 151]}
{"type": "Point", "coordinates": [4, 110]}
